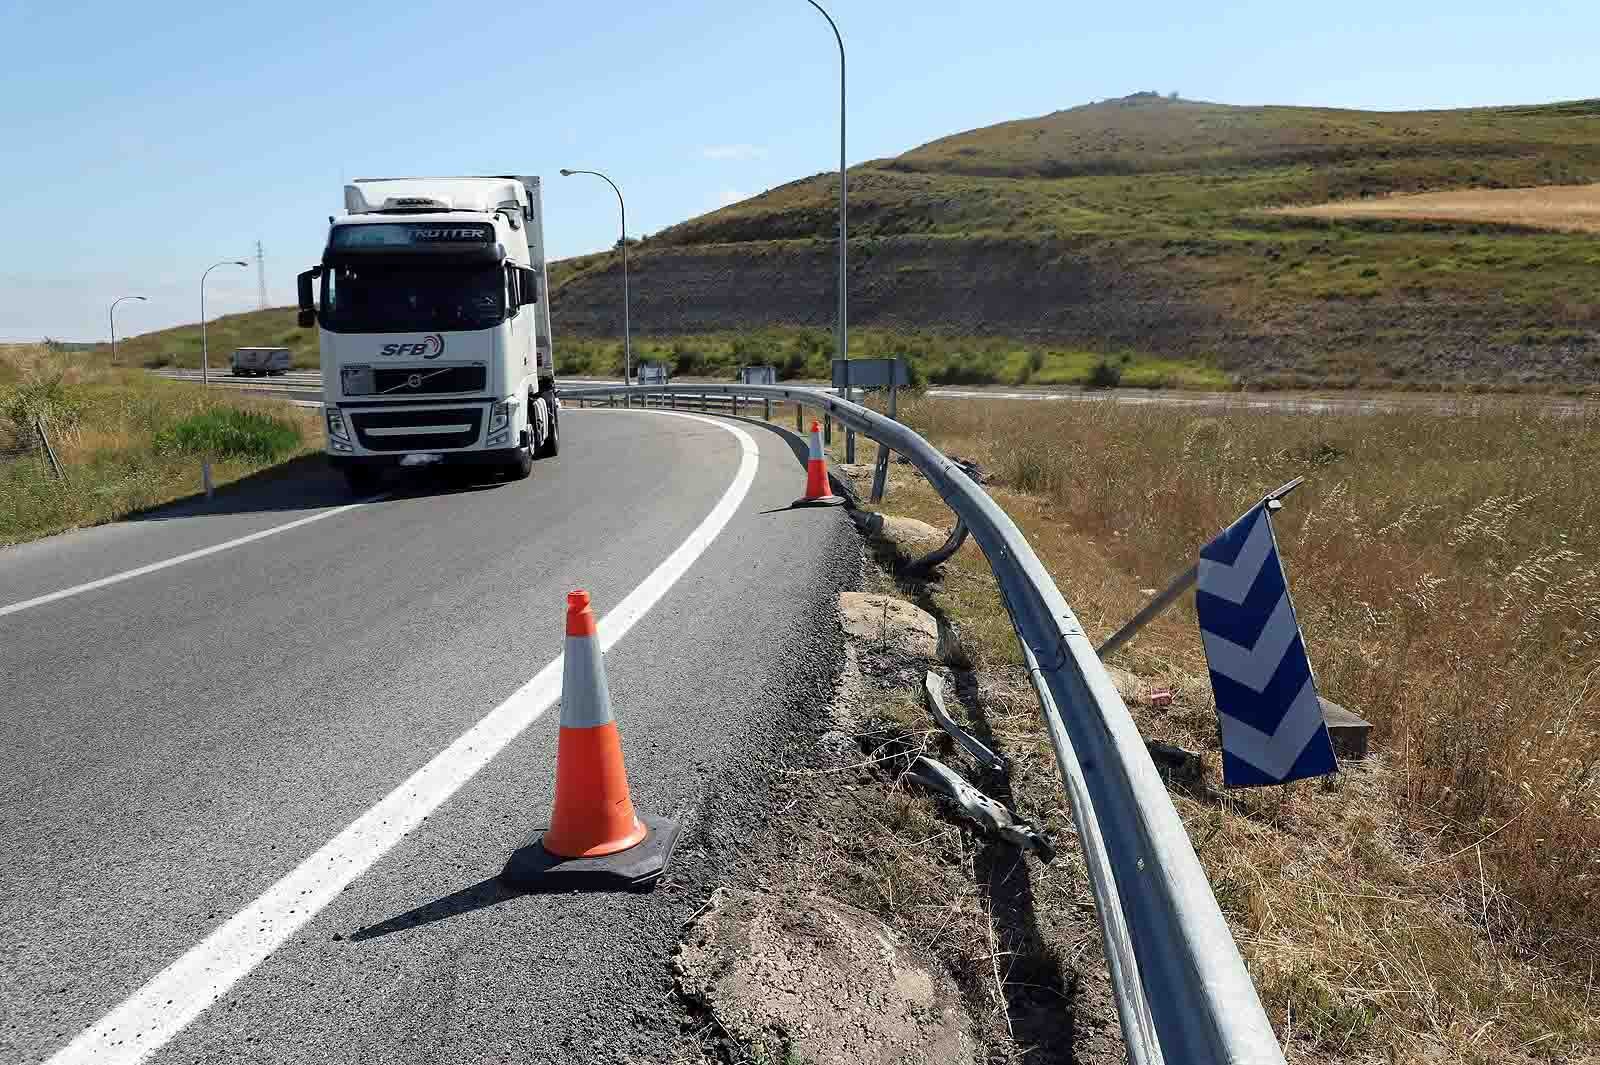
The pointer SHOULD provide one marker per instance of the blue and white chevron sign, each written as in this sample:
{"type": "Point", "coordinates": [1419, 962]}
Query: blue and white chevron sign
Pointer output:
{"type": "Point", "coordinates": [1267, 708]}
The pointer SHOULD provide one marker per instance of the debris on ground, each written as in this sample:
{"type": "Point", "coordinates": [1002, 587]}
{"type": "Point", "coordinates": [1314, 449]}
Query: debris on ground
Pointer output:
{"type": "Point", "coordinates": [991, 817]}
{"type": "Point", "coordinates": [933, 696]}
{"type": "Point", "coordinates": [1177, 765]}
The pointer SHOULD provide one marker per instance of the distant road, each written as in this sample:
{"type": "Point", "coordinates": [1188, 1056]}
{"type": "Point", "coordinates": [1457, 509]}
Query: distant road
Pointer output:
{"type": "Point", "coordinates": [306, 386]}
{"type": "Point", "coordinates": [270, 751]}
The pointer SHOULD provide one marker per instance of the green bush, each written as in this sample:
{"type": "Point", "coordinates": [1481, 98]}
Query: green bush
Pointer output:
{"type": "Point", "coordinates": [1106, 374]}
{"type": "Point", "coordinates": [230, 433]}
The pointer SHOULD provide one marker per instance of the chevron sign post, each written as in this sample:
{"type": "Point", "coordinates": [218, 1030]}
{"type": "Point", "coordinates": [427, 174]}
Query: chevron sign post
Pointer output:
{"type": "Point", "coordinates": [1267, 708]}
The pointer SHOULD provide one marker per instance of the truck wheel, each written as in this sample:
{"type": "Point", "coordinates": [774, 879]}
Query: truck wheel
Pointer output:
{"type": "Point", "coordinates": [552, 441]}
{"type": "Point", "coordinates": [362, 480]}
{"type": "Point", "coordinates": [523, 466]}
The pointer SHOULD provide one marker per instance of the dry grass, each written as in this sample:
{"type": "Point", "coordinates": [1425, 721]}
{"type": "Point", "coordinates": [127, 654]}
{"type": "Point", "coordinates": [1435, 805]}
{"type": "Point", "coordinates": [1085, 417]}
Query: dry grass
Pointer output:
{"type": "Point", "coordinates": [104, 424]}
{"type": "Point", "coordinates": [1570, 208]}
{"type": "Point", "coordinates": [1438, 903]}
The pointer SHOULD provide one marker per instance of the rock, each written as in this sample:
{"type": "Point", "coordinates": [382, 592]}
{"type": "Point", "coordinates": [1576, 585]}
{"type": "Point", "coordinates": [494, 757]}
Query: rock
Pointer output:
{"type": "Point", "coordinates": [1130, 687]}
{"type": "Point", "coordinates": [889, 625]}
{"type": "Point", "coordinates": [763, 964]}
{"type": "Point", "coordinates": [909, 537]}
{"type": "Point", "coordinates": [909, 534]}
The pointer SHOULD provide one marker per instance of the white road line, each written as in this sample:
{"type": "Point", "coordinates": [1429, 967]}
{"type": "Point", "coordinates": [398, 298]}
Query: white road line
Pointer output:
{"type": "Point", "coordinates": [183, 990]}
{"type": "Point", "coordinates": [178, 560]}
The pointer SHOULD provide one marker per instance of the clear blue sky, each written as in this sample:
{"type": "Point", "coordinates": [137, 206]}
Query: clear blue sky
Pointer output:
{"type": "Point", "coordinates": [141, 142]}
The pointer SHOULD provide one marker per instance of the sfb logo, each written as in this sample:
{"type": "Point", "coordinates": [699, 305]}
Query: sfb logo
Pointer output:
{"type": "Point", "coordinates": [432, 347]}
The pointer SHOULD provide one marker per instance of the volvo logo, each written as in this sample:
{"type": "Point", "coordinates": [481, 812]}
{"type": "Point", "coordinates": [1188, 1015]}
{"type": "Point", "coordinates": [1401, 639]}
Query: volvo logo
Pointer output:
{"type": "Point", "coordinates": [414, 381]}
{"type": "Point", "coordinates": [432, 347]}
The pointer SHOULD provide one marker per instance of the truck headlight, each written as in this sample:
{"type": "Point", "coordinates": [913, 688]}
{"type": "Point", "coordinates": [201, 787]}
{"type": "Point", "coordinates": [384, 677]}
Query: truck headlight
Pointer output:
{"type": "Point", "coordinates": [336, 427]}
{"type": "Point", "coordinates": [501, 417]}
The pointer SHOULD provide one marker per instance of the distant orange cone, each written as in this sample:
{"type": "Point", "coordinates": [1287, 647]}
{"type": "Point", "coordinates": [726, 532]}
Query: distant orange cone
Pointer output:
{"type": "Point", "coordinates": [595, 833]}
{"type": "Point", "coordinates": [818, 492]}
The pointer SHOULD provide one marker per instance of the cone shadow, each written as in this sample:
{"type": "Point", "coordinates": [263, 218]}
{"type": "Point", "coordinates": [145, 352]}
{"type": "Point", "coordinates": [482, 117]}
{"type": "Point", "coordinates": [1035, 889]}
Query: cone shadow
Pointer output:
{"type": "Point", "coordinates": [479, 896]}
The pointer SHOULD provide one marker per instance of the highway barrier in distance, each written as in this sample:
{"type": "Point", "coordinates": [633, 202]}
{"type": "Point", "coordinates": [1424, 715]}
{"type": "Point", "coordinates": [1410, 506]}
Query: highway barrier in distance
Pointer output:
{"type": "Point", "coordinates": [1183, 994]}
{"type": "Point", "coordinates": [596, 838]}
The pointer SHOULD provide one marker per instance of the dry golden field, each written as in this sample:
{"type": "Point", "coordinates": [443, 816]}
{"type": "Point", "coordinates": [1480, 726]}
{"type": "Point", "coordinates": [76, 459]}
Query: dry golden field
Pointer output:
{"type": "Point", "coordinates": [1439, 902]}
{"type": "Point", "coordinates": [1571, 208]}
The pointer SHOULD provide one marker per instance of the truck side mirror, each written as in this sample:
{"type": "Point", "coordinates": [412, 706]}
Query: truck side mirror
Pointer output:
{"type": "Point", "coordinates": [308, 303]}
{"type": "Point", "coordinates": [530, 285]}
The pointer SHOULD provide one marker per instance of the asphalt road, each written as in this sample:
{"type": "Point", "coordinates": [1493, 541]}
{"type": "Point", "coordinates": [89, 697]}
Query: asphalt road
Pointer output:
{"type": "Point", "coordinates": [306, 386]}
{"type": "Point", "coordinates": [176, 744]}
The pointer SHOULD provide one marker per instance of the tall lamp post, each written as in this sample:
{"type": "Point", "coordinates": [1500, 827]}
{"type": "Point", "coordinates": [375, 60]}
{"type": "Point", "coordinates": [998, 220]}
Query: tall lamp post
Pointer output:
{"type": "Point", "coordinates": [627, 343]}
{"type": "Point", "coordinates": [205, 354]}
{"type": "Point", "coordinates": [112, 314]}
{"type": "Point", "coordinates": [843, 343]}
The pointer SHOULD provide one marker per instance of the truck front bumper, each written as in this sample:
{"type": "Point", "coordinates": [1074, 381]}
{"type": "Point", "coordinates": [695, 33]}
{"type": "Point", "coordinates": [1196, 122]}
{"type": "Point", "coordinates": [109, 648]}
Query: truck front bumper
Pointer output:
{"type": "Point", "coordinates": [503, 456]}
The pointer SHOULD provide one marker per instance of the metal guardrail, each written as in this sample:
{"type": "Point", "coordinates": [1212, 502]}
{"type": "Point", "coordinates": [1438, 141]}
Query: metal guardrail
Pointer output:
{"type": "Point", "coordinates": [1182, 991]}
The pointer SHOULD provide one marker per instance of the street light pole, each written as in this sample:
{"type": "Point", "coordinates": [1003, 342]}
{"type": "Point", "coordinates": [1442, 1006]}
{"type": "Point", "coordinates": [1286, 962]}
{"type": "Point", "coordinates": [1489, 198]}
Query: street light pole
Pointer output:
{"type": "Point", "coordinates": [843, 342]}
{"type": "Point", "coordinates": [112, 314]}
{"type": "Point", "coordinates": [627, 343]}
{"type": "Point", "coordinates": [205, 355]}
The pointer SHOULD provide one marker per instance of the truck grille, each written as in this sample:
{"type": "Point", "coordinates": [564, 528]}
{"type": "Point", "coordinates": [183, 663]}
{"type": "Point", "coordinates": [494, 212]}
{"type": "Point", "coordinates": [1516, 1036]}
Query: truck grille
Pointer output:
{"type": "Point", "coordinates": [389, 381]}
{"type": "Point", "coordinates": [412, 381]}
{"type": "Point", "coordinates": [417, 430]}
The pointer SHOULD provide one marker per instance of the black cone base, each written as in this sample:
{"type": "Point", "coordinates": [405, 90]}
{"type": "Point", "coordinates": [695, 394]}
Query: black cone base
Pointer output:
{"type": "Point", "coordinates": [820, 501]}
{"type": "Point", "coordinates": [534, 869]}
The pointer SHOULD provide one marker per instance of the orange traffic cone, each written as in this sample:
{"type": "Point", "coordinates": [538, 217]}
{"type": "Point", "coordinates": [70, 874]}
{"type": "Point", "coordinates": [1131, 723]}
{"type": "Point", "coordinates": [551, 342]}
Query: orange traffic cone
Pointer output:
{"type": "Point", "coordinates": [595, 834]}
{"type": "Point", "coordinates": [818, 492]}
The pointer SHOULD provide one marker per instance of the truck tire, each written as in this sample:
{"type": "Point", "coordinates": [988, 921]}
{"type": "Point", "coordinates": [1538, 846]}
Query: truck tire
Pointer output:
{"type": "Point", "coordinates": [552, 441]}
{"type": "Point", "coordinates": [362, 480]}
{"type": "Point", "coordinates": [522, 466]}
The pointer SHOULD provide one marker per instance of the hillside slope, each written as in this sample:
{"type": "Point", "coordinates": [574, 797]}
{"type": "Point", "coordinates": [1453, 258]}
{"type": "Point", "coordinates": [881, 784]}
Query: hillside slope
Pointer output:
{"type": "Point", "coordinates": [1142, 224]}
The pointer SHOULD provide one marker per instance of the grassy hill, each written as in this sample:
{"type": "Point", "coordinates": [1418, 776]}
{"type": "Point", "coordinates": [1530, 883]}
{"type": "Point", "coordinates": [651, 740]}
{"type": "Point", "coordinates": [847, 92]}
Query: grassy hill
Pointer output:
{"type": "Point", "coordinates": [180, 345]}
{"type": "Point", "coordinates": [1144, 225]}
{"type": "Point", "coordinates": [1143, 234]}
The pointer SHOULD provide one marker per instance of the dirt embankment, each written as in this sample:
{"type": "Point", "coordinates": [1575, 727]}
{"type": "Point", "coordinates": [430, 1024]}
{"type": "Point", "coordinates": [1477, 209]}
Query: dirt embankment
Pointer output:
{"type": "Point", "coordinates": [969, 287]}
{"type": "Point", "coordinates": [1048, 293]}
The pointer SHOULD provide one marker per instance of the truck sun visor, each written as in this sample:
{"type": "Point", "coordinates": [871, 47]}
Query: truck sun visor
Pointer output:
{"type": "Point", "coordinates": [374, 236]}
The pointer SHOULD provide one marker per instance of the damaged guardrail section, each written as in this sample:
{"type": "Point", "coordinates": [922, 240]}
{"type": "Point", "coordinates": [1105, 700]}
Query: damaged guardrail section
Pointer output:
{"type": "Point", "coordinates": [1183, 993]}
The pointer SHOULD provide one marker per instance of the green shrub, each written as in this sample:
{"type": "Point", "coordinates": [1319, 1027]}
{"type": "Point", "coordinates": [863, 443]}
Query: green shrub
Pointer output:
{"type": "Point", "coordinates": [230, 433]}
{"type": "Point", "coordinates": [1106, 374]}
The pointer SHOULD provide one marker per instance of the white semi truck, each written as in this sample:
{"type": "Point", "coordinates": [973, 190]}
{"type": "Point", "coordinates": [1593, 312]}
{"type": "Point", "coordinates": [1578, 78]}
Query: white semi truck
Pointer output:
{"type": "Point", "coordinates": [433, 320]}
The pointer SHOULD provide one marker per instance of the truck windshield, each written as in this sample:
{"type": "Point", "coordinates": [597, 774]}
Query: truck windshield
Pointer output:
{"type": "Point", "coordinates": [401, 298]}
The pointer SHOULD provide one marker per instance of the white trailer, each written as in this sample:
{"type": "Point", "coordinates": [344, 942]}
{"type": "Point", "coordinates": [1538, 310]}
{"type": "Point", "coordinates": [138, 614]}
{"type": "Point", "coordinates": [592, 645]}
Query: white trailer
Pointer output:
{"type": "Point", "coordinates": [260, 362]}
{"type": "Point", "coordinates": [433, 321]}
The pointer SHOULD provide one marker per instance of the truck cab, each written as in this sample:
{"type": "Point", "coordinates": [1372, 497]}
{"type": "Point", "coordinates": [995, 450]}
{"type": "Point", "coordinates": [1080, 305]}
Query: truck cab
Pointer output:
{"type": "Point", "coordinates": [434, 327]}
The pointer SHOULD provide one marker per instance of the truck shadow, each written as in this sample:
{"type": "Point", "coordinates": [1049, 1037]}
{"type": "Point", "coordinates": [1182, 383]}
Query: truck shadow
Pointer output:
{"type": "Point", "coordinates": [306, 484]}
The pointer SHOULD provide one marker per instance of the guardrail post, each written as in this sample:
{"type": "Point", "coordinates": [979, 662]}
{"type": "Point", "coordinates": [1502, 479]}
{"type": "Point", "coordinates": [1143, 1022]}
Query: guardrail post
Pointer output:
{"type": "Point", "coordinates": [827, 428]}
{"type": "Point", "coordinates": [799, 417]}
{"type": "Point", "coordinates": [50, 452]}
{"type": "Point", "coordinates": [736, 404]}
{"type": "Point", "coordinates": [766, 408]}
{"type": "Point", "coordinates": [672, 400]}
{"type": "Point", "coordinates": [880, 476]}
